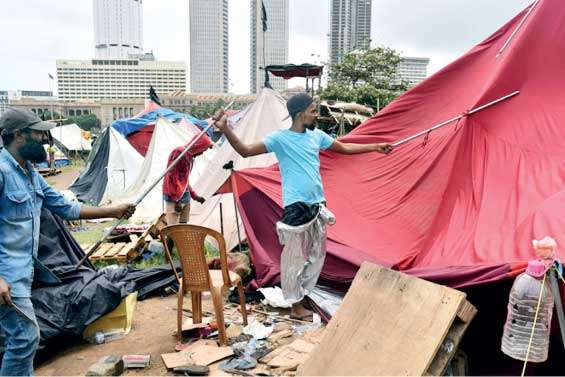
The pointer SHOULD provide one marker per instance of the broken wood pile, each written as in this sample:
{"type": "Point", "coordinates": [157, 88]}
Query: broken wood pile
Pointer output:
{"type": "Point", "coordinates": [123, 252]}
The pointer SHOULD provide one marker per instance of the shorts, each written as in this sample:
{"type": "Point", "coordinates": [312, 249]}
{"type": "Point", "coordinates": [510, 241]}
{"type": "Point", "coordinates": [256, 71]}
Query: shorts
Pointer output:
{"type": "Point", "coordinates": [185, 198]}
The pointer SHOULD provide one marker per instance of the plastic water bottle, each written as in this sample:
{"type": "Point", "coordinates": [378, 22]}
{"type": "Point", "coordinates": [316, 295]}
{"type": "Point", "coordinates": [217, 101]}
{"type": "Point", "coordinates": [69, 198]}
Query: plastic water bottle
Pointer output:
{"type": "Point", "coordinates": [522, 306]}
{"type": "Point", "coordinates": [96, 338]}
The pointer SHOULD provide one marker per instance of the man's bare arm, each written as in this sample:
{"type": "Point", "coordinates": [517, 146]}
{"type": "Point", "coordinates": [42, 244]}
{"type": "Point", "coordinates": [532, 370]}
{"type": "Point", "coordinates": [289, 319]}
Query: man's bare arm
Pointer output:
{"type": "Point", "coordinates": [245, 150]}
{"type": "Point", "coordinates": [351, 148]}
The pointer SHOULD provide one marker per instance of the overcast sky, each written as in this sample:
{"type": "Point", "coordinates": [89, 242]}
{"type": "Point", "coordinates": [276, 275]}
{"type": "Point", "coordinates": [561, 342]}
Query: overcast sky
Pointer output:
{"type": "Point", "coordinates": [37, 32]}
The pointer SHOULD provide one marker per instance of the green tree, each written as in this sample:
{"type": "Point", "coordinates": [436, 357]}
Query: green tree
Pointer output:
{"type": "Point", "coordinates": [88, 122]}
{"type": "Point", "coordinates": [207, 109]}
{"type": "Point", "coordinates": [369, 77]}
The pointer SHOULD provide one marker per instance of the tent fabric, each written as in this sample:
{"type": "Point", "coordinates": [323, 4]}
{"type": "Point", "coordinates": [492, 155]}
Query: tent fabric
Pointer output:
{"type": "Point", "coordinates": [288, 71]}
{"type": "Point", "coordinates": [461, 205]}
{"type": "Point", "coordinates": [166, 137]}
{"type": "Point", "coordinates": [112, 166]}
{"type": "Point", "coordinates": [70, 138]}
{"type": "Point", "coordinates": [264, 116]}
{"type": "Point", "coordinates": [149, 116]}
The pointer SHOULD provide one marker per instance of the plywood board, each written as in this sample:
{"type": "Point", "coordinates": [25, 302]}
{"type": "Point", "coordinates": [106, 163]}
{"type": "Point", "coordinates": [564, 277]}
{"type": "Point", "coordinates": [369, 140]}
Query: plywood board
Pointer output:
{"type": "Point", "coordinates": [388, 324]}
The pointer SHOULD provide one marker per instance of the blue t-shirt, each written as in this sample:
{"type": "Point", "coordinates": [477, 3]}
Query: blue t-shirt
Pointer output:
{"type": "Point", "coordinates": [299, 160]}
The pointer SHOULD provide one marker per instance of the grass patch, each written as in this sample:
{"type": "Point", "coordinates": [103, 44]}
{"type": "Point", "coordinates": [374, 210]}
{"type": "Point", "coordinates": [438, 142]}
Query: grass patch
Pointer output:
{"type": "Point", "coordinates": [90, 236]}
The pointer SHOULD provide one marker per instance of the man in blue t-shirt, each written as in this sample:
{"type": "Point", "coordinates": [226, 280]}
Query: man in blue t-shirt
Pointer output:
{"type": "Point", "coordinates": [298, 151]}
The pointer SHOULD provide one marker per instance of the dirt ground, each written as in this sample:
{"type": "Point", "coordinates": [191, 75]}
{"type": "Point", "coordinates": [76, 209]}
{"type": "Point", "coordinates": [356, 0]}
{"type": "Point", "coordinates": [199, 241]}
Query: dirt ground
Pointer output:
{"type": "Point", "coordinates": [154, 323]}
{"type": "Point", "coordinates": [63, 180]}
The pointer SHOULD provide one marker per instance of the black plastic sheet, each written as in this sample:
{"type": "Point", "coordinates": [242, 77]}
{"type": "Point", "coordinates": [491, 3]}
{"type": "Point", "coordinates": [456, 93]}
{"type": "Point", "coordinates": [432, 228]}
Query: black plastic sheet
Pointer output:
{"type": "Point", "coordinates": [67, 300]}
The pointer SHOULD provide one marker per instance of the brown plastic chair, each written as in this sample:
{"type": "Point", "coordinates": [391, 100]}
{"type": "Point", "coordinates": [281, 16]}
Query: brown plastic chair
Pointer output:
{"type": "Point", "coordinates": [197, 278]}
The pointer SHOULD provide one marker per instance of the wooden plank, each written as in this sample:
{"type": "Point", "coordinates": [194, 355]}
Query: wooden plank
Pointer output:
{"type": "Point", "coordinates": [101, 251]}
{"type": "Point", "coordinates": [451, 342]}
{"type": "Point", "coordinates": [388, 324]}
{"type": "Point", "coordinates": [114, 250]}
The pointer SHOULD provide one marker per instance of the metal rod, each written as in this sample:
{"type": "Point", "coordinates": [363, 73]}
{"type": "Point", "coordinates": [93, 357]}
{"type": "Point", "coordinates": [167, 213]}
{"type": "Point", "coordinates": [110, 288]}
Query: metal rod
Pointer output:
{"type": "Point", "coordinates": [473, 111]}
{"type": "Point", "coordinates": [517, 29]}
{"type": "Point", "coordinates": [221, 218]}
{"type": "Point", "coordinates": [147, 191]}
{"type": "Point", "coordinates": [237, 223]}
{"type": "Point", "coordinates": [558, 303]}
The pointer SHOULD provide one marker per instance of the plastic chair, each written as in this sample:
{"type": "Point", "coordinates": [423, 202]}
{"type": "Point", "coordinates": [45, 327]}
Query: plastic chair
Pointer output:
{"type": "Point", "coordinates": [197, 278]}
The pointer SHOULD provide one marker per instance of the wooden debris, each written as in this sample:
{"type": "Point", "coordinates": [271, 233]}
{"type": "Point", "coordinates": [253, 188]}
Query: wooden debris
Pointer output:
{"type": "Point", "coordinates": [391, 324]}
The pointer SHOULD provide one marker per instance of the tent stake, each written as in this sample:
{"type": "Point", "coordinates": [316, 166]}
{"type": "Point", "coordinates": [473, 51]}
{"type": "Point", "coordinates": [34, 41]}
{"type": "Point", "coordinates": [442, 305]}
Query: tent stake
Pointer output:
{"type": "Point", "coordinates": [147, 191]}
{"type": "Point", "coordinates": [470, 112]}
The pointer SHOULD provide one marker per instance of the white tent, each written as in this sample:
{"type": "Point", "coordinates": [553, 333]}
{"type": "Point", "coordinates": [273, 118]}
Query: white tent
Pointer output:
{"type": "Point", "coordinates": [124, 166]}
{"type": "Point", "coordinates": [113, 165]}
{"type": "Point", "coordinates": [71, 138]}
{"type": "Point", "coordinates": [263, 117]}
{"type": "Point", "coordinates": [166, 137]}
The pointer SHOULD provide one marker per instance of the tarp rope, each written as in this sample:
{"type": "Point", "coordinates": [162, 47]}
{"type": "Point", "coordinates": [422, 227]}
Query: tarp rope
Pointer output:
{"type": "Point", "coordinates": [533, 326]}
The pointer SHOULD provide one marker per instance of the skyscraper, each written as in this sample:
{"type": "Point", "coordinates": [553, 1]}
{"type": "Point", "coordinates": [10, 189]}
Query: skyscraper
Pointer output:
{"type": "Point", "coordinates": [350, 27]}
{"type": "Point", "coordinates": [209, 46]}
{"type": "Point", "coordinates": [270, 46]}
{"type": "Point", "coordinates": [118, 28]}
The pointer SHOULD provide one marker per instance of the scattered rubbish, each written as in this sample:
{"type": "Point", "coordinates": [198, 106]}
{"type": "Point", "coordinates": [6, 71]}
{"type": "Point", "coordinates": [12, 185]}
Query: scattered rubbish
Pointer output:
{"type": "Point", "coordinates": [234, 331]}
{"type": "Point", "coordinates": [192, 370]}
{"type": "Point", "coordinates": [274, 297]}
{"type": "Point", "coordinates": [201, 352]}
{"type": "Point", "coordinates": [114, 324]}
{"type": "Point", "coordinates": [246, 361]}
{"type": "Point", "coordinates": [107, 366]}
{"type": "Point", "coordinates": [292, 355]}
{"type": "Point", "coordinates": [301, 329]}
{"type": "Point", "coordinates": [136, 361]}
{"type": "Point", "coordinates": [257, 330]}
{"type": "Point", "coordinates": [276, 337]}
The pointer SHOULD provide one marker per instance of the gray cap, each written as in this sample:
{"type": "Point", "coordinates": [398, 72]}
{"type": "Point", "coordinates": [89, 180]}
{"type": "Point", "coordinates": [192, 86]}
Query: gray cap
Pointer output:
{"type": "Point", "coordinates": [298, 103]}
{"type": "Point", "coordinates": [19, 119]}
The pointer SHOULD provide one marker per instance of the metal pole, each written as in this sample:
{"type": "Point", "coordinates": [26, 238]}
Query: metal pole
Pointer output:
{"type": "Point", "coordinates": [147, 191]}
{"type": "Point", "coordinates": [476, 110]}
{"type": "Point", "coordinates": [517, 29]}
{"type": "Point", "coordinates": [558, 303]}
{"type": "Point", "coordinates": [237, 223]}
{"type": "Point", "coordinates": [221, 218]}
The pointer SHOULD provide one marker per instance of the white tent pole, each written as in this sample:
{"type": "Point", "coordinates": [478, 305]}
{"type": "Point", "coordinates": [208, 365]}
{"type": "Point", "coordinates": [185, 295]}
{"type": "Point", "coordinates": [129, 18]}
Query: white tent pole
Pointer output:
{"type": "Point", "coordinates": [517, 29]}
{"type": "Point", "coordinates": [470, 112]}
{"type": "Point", "coordinates": [147, 191]}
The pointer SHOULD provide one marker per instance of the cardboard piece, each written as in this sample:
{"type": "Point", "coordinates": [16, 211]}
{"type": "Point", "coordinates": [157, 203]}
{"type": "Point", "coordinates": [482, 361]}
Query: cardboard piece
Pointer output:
{"type": "Point", "coordinates": [201, 352]}
{"type": "Point", "coordinates": [292, 355]}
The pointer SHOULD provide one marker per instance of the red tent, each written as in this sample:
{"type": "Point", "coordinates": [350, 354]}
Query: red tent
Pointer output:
{"type": "Point", "coordinates": [461, 205]}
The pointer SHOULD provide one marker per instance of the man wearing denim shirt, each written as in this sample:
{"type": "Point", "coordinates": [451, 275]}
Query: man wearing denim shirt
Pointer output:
{"type": "Point", "coordinates": [23, 192]}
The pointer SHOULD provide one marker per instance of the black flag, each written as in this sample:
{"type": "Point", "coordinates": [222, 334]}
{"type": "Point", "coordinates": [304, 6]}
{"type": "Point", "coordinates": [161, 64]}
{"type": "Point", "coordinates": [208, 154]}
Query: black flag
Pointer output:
{"type": "Point", "coordinates": [153, 96]}
{"type": "Point", "coordinates": [264, 16]}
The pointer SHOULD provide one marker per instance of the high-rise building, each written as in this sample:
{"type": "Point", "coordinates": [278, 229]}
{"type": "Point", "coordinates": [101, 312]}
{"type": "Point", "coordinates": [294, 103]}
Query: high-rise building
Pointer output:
{"type": "Point", "coordinates": [271, 46]}
{"type": "Point", "coordinates": [209, 46]}
{"type": "Point", "coordinates": [414, 70]}
{"type": "Point", "coordinates": [350, 27]}
{"type": "Point", "coordinates": [117, 78]}
{"type": "Point", "coordinates": [3, 100]}
{"type": "Point", "coordinates": [118, 28]}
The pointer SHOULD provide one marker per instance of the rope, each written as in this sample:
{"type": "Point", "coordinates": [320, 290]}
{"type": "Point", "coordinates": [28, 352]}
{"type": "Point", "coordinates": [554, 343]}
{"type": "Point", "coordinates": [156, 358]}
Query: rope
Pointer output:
{"type": "Point", "coordinates": [533, 326]}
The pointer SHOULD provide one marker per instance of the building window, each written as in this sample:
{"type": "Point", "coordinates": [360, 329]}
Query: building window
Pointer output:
{"type": "Point", "coordinates": [71, 112]}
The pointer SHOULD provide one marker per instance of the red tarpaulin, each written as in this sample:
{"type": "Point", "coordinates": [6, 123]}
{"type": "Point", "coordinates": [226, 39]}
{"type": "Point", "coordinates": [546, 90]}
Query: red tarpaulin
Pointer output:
{"type": "Point", "coordinates": [459, 206]}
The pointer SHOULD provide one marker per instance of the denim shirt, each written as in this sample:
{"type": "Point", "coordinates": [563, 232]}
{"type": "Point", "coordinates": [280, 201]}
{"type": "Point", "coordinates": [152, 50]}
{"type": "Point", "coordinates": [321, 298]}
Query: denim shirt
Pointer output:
{"type": "Point", "coordinates": [21, 198]}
